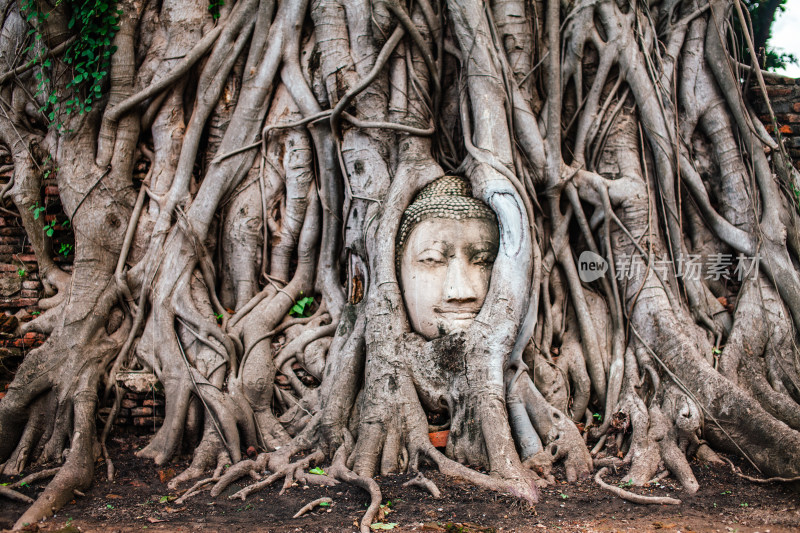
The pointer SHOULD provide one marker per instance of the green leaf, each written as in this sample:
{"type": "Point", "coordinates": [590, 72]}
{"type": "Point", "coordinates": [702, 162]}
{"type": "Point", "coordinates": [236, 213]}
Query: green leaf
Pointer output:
{"type": "Point", "coordinates": [317, 470]}
{"type": "Point", "coordinates": [382, 525]}
{"type": "Point", "coordinates": [324, 504]}
{"type": "Point", "coordinates": [302, 308]}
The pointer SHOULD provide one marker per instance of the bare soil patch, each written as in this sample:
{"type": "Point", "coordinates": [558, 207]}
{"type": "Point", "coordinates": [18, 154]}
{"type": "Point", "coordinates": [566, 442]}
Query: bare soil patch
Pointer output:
{"type": "Point", "coordinates": [138, 500]}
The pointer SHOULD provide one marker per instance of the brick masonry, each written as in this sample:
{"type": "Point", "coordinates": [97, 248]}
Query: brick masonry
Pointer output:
{"type": "Point", "coordinates": [20, 287]}
{"type": "Point", "coordinates": [784, 95]}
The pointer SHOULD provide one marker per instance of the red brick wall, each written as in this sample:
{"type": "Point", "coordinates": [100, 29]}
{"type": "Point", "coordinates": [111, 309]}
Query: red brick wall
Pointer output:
{"type": "Point", "coordinates": [784, 95]}
{"type": "Point", "coordinates": [20, 287]}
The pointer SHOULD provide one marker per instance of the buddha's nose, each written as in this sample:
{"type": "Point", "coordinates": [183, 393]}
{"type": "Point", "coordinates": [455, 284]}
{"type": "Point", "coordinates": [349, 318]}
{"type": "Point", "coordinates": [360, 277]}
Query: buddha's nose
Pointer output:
{"type": "Point", "coordinates": [458, 286]}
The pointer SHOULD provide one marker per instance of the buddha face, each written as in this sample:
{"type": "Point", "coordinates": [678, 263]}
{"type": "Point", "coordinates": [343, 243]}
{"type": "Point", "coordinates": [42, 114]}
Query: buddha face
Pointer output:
{"type": "Point", "coordinates": [445, 269]}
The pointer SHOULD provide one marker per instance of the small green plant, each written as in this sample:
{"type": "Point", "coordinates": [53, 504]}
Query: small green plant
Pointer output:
{"type": "Point", "coordinates": [725, 492]}
{"type": "Point", "coordinates": [598, 417]}
{"type": "Point", "coordinates": [744, 504]}
{"type": "Point", "coordinates": [109, 506]}
{"type": "Point", "coordinates": [36, 313]}
{"type": "Point", "coordinates": [218, 316]}
{"type": "Point", "coordinates": [324, 504]}
{"type": "Point", "coordinates": [317, 470]}
{"type": "Point", "coordinates": [302, 308]}
{"type": "Point", "coordinates": [564, 496]}
{"type": "Point", "coordinates": [50, 228]}
{"type": "Point", "coordinates": [66, 249]}
{"type": "Point", "coordinates": [37, 209]}
{"type": "Point", "coordinates": [625, 484]}
{"type": "Point", "coordinates": [21, 272]}
{"type": "Point", "coordinates": [213, 8]}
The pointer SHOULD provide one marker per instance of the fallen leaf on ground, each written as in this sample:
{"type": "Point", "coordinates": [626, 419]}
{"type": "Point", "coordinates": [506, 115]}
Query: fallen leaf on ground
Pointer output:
{"type": "Point", "coordinates": [166, 475]}
{"type": "Point", "coordinates": [662, 525]}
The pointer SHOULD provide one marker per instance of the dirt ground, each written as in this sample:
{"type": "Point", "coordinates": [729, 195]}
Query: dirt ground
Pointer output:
{"type": "Point", "coordinates": [139, 500]}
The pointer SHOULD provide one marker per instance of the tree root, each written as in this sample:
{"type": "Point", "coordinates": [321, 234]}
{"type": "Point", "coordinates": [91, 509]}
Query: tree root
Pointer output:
{"type": "Point", "coordinates": [310, 505]}
{"type": "Point", "coordinates": [630, 496]}
{"type": "Point", "coordinates": [760, 480]}
{"type": "Point", "coordinates": [195, 489]}
{"type": "Point", "coordinates": [425, 484]}
{"type": "Point", "coordinates": [36, 476]}
{"type": "Point", "coordinates": [289, 472]}
{"type": "Point", "coordinates": [14, 495]}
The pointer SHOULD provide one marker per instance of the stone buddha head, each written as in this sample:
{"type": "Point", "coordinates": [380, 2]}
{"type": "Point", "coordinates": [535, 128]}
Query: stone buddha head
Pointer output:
{"type": "Point", "coordinates": [446, 246]}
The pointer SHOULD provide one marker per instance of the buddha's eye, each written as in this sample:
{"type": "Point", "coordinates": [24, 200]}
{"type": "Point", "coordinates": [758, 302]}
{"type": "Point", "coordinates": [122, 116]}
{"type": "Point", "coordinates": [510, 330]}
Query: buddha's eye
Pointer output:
{"type": "Point", "coordinates": [431, 258]}
{"type": "Point", "coordinates": [483, 258]}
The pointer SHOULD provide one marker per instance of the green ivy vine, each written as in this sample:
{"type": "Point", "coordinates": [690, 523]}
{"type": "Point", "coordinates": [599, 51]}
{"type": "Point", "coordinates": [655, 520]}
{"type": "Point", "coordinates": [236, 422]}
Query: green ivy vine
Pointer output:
{"type": "Point", "coordinates": [89, 56]}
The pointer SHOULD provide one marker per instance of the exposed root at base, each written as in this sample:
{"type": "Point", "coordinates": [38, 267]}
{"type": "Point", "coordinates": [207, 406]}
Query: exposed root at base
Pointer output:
{"type": "Point", "coordinates": [425, 484]}
{"type": "Point", "coordinates": [310, 505]}
{"type": "Point", "coordinates": [14, 495]}
{"type": "Point", "coordinates": [289, 472]}
{"type": "Point", "coordinates": [760, 480]}
{"type": "Point", "coordinates": [630, 496]}
{"type": "Point", "coordinates": [36, 476]}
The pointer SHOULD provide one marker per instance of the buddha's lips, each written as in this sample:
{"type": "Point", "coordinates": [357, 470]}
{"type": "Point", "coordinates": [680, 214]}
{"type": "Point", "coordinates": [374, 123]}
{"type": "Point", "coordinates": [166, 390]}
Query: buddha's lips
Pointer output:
{"type": "Point", "coordinates": [459, 313]}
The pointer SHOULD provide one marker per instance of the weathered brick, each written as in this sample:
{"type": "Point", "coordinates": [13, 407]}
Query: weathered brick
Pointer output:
{"type": "Point", "coordinates": [142, 411]}
{"type": "Point", "coordinates": [148, 421]}
{"type": "Point", "coordinates": [153, 403]}
{"type": "Point", "coordinates": [780, 107]}
{"type": "Point", "coordinates": [29, 284]}
{"type": "Point", "coordinates": [51, 190]}
{"type": "Point", "coordinates": [779, 90]}
{"type": "Point", "coordinates": [128, 404]}
{"type": "Point", "coordinates": [791, 117]}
